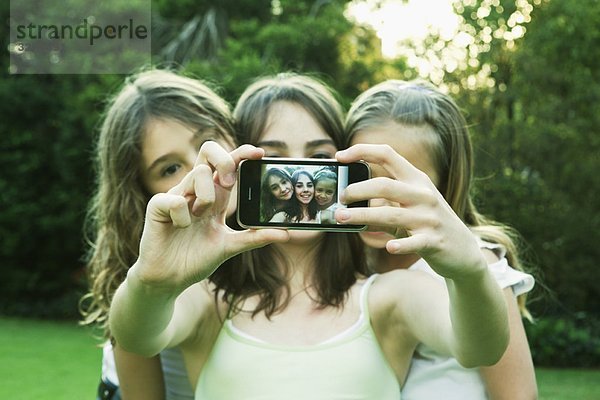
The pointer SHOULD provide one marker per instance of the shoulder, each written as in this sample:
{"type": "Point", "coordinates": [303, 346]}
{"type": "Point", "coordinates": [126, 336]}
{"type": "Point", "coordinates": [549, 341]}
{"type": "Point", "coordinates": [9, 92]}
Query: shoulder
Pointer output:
{"type": "Point", "coordinates": [507, 277]}
{"type": "Point", "coordinates": [279, 217]}
{"type": "Point", "coordinates": [396, 293]}
{"type": "Point", "coordinates": [396, 304]}
{"type": "Point", "coordinates": [490, 256]}
{"type": "Point", "coordinates": [198, 305]}
{"type": "Point", "coordinates": [202, 311]}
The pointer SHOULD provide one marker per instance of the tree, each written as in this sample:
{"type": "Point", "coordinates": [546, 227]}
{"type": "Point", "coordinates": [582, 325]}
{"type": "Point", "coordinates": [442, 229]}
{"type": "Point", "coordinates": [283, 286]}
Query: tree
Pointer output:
{"type": "Point", "coordinates": [558, 86]}
{"type": "Point", "coordinates": [49, 122]}
{"type": "Point", "coordinates": [526, 75]}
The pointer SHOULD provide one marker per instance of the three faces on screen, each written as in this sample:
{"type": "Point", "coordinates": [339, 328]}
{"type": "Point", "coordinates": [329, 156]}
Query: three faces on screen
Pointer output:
{"type": "Point", "coordinates": [300, 194]}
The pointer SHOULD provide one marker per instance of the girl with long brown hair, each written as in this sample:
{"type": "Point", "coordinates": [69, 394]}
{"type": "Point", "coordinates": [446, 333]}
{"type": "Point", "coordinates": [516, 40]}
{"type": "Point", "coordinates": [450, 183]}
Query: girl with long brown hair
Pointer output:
{"type": "Point", "coordinates": [149, 139]}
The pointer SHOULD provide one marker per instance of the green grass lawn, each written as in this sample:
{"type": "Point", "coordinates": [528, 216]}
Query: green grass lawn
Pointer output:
{"type": "Point", "coordinates": [567, 384]}
{"type": "Point", "coordinates": [47, 360]}
{"type": "Point", "coordinates": [58, 360]}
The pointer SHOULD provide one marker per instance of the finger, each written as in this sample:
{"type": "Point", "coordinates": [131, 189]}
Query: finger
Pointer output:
{"type": "Point", "coordinates": [198, 188]}
{"type": "Point", "coordinates": [411, 244]}
{"type": "Point", "coordinates": [380, 154]}
{"type": "Point", "coordinates": [219, 159]}
{"type": "Point", "coordinates": [389, 189]}
{"type": "Point", "coordinates": [254, 238]}
{"type": "Point", "coordinates": [246, 151]}
{"type": "Point", "coordinates": [169, 208]}
{"type": "Point", "coordinates": [201, 189]}
{"type": "Point", "coordinates": [393, 219]}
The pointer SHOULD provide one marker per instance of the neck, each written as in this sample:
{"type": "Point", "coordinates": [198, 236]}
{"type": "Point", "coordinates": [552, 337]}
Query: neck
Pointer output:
{"type": "Point", "coordinates": [300, 258]}
{"type": "Point", "coordinates": [385, 262]}
{"type": "Point", "coordinates": [304, 208]}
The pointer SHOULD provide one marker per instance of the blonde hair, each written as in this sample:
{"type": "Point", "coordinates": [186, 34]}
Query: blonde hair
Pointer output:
{"type": "Point", "coordinates": [115, 215]}
{"type": "Point", "coordinates": [418, 103]}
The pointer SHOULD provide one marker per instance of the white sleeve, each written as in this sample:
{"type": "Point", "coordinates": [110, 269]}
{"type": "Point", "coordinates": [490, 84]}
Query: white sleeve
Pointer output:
{"type": "Point", "coordinates": [505, 275]}
{"type": "Point", "coordinates": [109, 369]}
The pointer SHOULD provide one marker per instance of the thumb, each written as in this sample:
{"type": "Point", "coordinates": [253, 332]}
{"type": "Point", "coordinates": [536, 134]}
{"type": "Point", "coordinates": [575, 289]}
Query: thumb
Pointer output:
{"type": "Point", "coordinates": [255, 238]}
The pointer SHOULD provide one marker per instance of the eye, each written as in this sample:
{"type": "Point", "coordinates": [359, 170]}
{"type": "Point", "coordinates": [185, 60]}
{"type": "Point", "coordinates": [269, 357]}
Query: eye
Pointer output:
{"type": "Point", "coordinates": [170, 170]}
{"type": "Point", "coordinates": [322, 155]}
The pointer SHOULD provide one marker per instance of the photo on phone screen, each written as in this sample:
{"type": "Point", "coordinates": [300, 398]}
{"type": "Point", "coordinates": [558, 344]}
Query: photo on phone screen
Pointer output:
{"type": "Point", "coordinates": [301, 194]}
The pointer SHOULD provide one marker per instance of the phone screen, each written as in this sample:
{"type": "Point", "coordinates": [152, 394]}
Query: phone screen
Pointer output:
{"type": "Point", "coordinates": [297, 194]}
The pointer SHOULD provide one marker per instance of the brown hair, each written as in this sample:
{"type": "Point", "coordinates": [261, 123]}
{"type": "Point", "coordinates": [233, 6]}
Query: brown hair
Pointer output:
{"type": "Point", "coordinates": [116, 212]}
{"type": "Point", "coordinates": [420, 104]}
{"type": "Point", "coordinates": [339, 256]}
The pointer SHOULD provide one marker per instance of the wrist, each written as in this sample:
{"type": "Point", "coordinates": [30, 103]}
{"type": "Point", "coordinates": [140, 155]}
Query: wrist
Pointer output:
{"type": "Point", "coordinates": [473, 275]}
{"type": "Point", "coordinates": [149, 284]}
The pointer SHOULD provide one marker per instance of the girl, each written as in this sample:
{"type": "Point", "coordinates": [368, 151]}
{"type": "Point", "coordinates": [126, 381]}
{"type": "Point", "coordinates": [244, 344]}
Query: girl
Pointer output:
{"type": "Point", "coordinates": [427, 128]}
{"type": "Point", "coordinates": [149, 140]}
{"type": "Point", "coordinates": [302, 207]}
{"type": "Point", "coordinates": [326, 195]}
{"type": "Point", "coordinates": [276, 192]}
{"type": "Point", "coordinates": [299, 319]}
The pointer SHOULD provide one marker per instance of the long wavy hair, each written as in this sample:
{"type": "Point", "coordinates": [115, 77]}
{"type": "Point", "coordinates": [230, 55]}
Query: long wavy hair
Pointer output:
{"type": "Point", "coordinates": [340, 256]}
{"type": "Point", "coordinates": [417, 104]}
{"type": "Point", "coordinates": [115, 214]}
{"type": "Point", "coordinates": [294, 209]}
{"type": "Point", "coordinates": [269, 205]}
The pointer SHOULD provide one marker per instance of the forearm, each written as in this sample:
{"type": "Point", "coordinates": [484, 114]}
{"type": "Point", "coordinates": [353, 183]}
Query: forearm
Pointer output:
{"type": "Point", "coordinates": [140, 378]}
{"type": "Point", "coordinates": [140, 315]}
{"type": "Point", "coordinates": [513, 377]}
{"type": "Point", "coordinates": [479, 318]}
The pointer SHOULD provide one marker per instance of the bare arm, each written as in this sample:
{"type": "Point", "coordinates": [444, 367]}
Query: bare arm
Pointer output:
{"type": "Point", "coordinates": [184, 240]}
{"type": "Point", "coordinates": [475, 330]}
{"type": "Point", "coordinates": [478, 318]}
{"type": "Point", "coordinates": [140, 378]}
{"type": "Point", "coordinates": [513, 377]}
{"type": "Point", "coordinates": [462, 322]}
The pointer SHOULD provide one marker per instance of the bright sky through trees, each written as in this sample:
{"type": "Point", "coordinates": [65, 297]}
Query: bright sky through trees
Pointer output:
{"type": "Point", "coordinates": [396, 20]}
{"type": "Point", "coordinates": [402, 27]}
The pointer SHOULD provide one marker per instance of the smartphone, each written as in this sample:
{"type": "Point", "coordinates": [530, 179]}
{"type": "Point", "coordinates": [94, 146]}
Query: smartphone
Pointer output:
{"type": "Point", "coordinates": [296, 193]}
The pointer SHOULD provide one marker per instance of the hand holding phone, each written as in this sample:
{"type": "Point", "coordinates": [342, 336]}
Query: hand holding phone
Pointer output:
{"type": "Point", "coordinates": [296, 193]}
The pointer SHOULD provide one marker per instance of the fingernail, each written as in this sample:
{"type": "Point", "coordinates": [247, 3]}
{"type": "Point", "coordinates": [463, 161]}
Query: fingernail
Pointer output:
{"type": "Point", "coordinates": [343, 215]}
{"type": "Point", "coordinates": [228, 179]}
{"type": "Point", "coordinates": [393, 247]}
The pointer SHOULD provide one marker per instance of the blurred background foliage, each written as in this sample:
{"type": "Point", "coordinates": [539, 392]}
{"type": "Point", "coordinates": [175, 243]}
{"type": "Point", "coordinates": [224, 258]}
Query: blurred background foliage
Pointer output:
{"type": "Point", "coordinates": [526, 75]}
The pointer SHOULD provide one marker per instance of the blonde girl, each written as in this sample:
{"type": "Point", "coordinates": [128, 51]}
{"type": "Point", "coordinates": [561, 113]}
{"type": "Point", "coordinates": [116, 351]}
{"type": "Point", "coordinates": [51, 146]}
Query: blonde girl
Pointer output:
{"type": "Point", "coordinates": [326, 195]}
{"type": "Point", "coordinates": [427, 128]}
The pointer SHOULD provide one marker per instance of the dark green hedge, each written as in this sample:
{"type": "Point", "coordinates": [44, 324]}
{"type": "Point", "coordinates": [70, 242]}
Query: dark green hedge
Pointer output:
{"type": "Point", "coordinates": [565, 341]}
